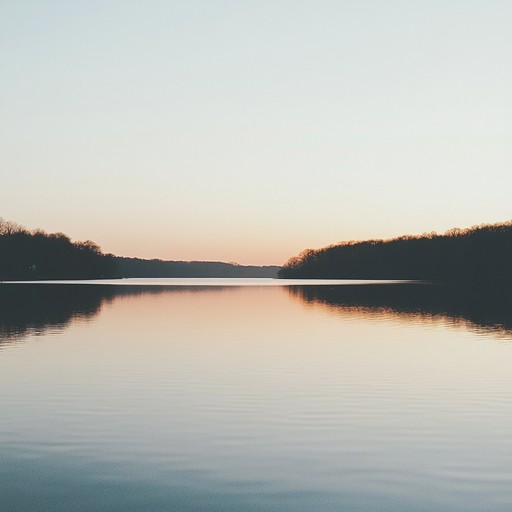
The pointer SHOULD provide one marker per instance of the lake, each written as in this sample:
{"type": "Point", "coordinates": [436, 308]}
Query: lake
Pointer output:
{"type": "Point", "coordinates": [255, 395]}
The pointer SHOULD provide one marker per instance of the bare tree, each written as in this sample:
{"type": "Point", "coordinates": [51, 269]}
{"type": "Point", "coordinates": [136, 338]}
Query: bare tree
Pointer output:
{"type": "Point", "coordinates": [10, 228]}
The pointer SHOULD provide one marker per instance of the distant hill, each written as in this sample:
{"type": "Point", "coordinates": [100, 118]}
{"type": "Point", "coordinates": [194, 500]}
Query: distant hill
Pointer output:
{"type": "Point", "coordinates": [35, 255]}
{"type": "Point", "coordinates": [478, 253]}
{"type": "Point", "coordinates": [135, 267]}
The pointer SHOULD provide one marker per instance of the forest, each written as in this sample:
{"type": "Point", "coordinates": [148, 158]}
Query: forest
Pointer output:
{"type": "Point", "coordinates": [26, 255]}
{"type": "Point", "coordinates": [477, 253]}
{"type": "Point", "coordinates": [136, 267]}
{"type": "Point", "coordinates": [35, 255]}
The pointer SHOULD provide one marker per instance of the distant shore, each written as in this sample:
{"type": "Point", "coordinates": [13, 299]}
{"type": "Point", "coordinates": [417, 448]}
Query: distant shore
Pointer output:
{"type": "Point", "coordinates": [475, 254]}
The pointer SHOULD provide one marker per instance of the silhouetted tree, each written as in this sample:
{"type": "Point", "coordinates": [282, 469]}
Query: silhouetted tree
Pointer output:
{"type": "Point", "coordinates": [38, 255]}
{"type": "Point", "coordinates": [480, 252]}
{"type": "Point", "coordinates": [28, 255]}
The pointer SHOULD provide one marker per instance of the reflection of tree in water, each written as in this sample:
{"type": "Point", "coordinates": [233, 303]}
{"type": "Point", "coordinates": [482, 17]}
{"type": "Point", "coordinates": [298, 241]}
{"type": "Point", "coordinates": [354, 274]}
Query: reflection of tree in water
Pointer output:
{"type": "Point", "coordinates": [485, 308]}
{"type": "Point", "coordinates": [30, 309]}
{"type": "Point", "coordinates": [34, 308]}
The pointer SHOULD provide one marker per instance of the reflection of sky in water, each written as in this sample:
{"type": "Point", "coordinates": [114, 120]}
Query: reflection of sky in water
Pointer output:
{"type": "Point", "coordinates": [245, 399]}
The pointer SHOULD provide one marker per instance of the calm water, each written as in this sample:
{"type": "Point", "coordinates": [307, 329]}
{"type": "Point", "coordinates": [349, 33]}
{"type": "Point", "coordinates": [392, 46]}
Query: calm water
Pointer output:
{"type": "Point", "coordinates": [389, 397]}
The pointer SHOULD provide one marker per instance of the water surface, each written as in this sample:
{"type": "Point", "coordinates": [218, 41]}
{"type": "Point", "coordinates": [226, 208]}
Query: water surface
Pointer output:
{"type": "Point", "coordinates": [369, 397]}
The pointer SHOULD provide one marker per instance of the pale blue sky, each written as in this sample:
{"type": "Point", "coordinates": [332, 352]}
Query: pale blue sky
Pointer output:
{"type": "Point", "coordinates": [248, 131]}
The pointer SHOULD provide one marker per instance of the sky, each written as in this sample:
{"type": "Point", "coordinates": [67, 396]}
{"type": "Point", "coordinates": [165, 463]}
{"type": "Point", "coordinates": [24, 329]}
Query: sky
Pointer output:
{"type": "Point", "coordinates": [247, 131]}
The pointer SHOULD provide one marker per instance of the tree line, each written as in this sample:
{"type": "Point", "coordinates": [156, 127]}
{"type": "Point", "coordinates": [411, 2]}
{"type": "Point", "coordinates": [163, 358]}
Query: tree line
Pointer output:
{"type": "Point", "coordinates": [137, 267]}
{"type": "Point", "coordinates": [477, 253]}
{"type": "Point", "coordinates": [35, 254]}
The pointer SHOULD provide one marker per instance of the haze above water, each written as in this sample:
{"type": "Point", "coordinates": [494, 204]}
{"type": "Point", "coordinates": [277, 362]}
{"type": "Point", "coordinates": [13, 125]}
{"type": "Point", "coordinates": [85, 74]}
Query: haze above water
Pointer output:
{"type": "Point", "coordinates": [370, 397]}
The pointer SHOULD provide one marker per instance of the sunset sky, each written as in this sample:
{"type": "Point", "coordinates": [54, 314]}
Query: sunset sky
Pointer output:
{"type": "Point", "coordinates": [249, 130]}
